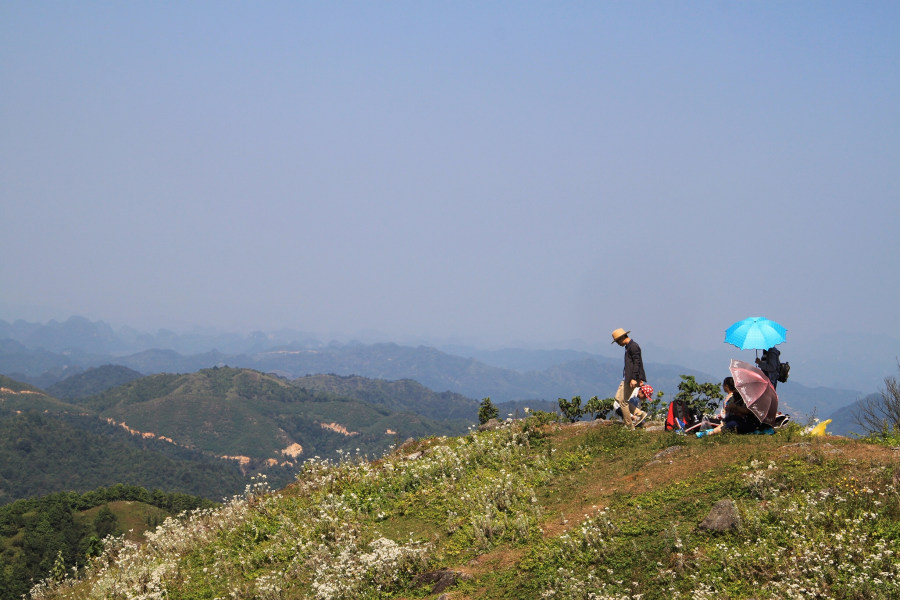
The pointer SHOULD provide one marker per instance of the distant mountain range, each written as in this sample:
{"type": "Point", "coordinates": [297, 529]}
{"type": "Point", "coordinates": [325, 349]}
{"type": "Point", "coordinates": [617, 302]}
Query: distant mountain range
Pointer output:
{"type": "Point", "coordinates": [434, 369]}
{"type": "Point", "coordinates": [828, 361]}
{"type": "Point", "coordinates": [96, 337]}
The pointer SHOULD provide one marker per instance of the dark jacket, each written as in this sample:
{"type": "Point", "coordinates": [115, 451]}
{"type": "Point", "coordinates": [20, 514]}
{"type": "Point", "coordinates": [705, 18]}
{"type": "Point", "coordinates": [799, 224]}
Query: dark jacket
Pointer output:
{"type": "Point", "coordinates": [770, 364]}
{"type": "Point", "coordinates": [634, 365]}
{"type": "Point", "coordinates": [736, 407]}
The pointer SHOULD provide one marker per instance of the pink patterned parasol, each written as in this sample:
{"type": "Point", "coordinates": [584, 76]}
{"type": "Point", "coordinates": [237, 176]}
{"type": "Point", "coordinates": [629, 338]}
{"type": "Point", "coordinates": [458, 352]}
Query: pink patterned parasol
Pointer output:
{"type": "Point", "coordinates": [756, 390]}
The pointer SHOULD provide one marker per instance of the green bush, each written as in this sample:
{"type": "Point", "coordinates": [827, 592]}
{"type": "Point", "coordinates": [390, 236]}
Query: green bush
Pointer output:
{"type": "Point", "coordinates": [571, 410]}
{"type": "Point", "coordinates": [596, 407]}
{"type": "Point", "coordinates": [703, 397]}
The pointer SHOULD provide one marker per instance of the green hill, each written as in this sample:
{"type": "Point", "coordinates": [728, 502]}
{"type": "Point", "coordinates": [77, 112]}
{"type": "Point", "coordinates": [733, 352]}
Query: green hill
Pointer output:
{"type": "Point", "coordinates": [241, 412]}
{"type": "Point", "coordinates": [35, 532]}
{"type": "Point", "coordinates": [41, 454]}
{"type": "Point", "coordinates": [400, 395]}
{"type": "Point", "coordinates": [93, 381]}
{"type": "Point", "coordinates": [544, 511]}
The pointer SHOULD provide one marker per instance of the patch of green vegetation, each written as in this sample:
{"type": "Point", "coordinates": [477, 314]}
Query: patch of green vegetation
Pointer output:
{"type": "Point", "coordinates": [35, 533]}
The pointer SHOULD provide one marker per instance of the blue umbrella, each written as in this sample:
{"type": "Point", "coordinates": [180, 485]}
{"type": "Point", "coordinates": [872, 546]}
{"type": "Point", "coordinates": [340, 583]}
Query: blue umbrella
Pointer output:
{"type": "Point", "coordinates": [756, 333]}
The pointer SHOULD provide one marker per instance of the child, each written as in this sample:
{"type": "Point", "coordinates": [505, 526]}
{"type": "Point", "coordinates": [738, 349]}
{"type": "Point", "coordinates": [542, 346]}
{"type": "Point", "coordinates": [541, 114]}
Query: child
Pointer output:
{"type": "Point", "coordinates": [644, 392]}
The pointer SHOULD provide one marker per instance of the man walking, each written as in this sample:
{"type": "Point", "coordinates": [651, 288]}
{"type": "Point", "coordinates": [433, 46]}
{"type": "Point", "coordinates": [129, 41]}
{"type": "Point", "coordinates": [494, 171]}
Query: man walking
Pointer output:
{"type": "Point", "coordinates": [632, 375]}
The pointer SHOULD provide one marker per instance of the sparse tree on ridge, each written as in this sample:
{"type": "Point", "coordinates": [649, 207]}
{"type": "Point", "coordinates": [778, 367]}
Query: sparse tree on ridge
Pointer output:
{"type": "Point", "coordinates": [880, 415]}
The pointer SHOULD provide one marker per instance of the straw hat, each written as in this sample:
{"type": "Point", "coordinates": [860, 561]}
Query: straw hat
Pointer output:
{"type": "Point", "coordinates": [619, 334]}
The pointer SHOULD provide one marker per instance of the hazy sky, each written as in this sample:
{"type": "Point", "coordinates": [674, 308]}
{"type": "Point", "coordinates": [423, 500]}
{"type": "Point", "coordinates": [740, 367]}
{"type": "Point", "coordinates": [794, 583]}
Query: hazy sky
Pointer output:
{"type": "Point", "coordinates": [518, 171]}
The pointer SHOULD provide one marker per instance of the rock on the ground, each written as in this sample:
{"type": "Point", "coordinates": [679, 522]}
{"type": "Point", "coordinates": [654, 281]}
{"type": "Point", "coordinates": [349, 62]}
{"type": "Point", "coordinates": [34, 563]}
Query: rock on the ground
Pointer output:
{"type": "Point", "coordinates": [441, 580]}
{"type": "Point", "coordinates": [491, 424]}
{"type": "Point", "coordinates": [667, 452]}
{"type": "Point", "coordinates": [409, 442]}
{"type": "Point", "coordinates": [413, 456]}
{"type": "Point", "coordinates": [723, 516]}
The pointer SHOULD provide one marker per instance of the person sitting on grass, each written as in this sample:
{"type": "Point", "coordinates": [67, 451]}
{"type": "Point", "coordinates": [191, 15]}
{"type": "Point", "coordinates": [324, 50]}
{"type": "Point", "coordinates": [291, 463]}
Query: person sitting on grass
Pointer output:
{"type": "Point", "coordinates": [738, 418]}
{"type": "Point", "coordinates": [642, 393]}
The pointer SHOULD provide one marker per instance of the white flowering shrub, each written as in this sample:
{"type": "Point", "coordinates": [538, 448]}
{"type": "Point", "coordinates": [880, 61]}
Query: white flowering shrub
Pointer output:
{"type": "Point", "coordinates": [321, 538]}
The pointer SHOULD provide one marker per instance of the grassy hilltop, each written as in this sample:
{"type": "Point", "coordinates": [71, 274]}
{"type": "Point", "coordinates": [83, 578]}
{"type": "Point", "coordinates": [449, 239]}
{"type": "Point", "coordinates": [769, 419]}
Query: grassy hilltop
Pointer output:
{"type": "Point", "coordinates": [539, 511]}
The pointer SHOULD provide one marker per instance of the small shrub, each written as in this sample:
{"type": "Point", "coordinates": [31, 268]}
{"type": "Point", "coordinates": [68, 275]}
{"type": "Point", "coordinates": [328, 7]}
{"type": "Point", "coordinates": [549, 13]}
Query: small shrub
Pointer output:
{"type": "Point", "coordinates": [537, 418]}
{"type": "Point", "coordinates": [571, 410]}
{"type": "Point", "coordinates": [596, 407]}
{"type": "Point", "coordinates": [703, 397]}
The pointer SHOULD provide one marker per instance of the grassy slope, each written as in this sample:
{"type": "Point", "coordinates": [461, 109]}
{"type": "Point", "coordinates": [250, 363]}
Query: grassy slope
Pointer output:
{"type": "Point", "coordinates": [558, 513]}
{"type": "Point", "coordinates": [131, 516]}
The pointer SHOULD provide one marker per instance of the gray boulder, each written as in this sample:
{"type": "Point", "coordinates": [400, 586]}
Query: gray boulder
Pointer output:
{"type": "Point", "coordinates": [723, 516]}
{"type": "Point", "coordinates": [490, 425]}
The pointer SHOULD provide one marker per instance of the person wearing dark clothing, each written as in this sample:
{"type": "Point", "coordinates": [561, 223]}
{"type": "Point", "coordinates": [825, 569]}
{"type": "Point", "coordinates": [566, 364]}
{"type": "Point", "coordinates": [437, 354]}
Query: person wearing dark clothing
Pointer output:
{"type": "Point", "coordinates": [634, 365]}
{"type": "Point", "coordinates": [738, 418]}
{"type": "Point", "coordinates": [770, 364]}
{"type": "Point", "coordinates": [632, 375]}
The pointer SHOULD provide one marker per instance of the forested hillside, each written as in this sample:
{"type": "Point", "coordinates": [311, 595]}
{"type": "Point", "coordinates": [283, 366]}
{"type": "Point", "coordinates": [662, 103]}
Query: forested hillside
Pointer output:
{"type": "Point", "coordinates": [66, 529]}
{"type": "Point", "coordinates": [41, 454]}
{"type": "Point", "coordinates": [245, 413]}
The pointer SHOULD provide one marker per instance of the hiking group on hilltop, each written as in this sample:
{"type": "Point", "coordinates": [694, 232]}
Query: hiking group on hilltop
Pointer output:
{"type": "Point", "coordinates": [751, 405]}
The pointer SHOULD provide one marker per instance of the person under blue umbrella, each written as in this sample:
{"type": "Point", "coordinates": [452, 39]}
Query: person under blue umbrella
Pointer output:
{"type": "Point", "coordinates": [770, 364]}
{"type": "Point", "coordinates": [761, 334]}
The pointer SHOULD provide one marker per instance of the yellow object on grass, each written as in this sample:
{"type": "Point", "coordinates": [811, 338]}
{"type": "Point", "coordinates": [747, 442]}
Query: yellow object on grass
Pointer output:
{"type": "Point", "coordinates": [819, 429]}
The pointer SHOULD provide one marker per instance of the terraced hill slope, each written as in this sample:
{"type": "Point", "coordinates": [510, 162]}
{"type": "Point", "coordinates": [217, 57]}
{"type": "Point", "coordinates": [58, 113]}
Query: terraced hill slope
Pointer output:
{"type": "Point", "coordinates": [532, 511]}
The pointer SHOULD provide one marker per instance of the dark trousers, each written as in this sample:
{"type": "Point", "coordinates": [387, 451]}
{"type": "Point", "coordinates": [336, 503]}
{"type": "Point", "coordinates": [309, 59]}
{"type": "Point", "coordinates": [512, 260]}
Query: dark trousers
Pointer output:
{"type": "Point", "coordinates": [741, 424]}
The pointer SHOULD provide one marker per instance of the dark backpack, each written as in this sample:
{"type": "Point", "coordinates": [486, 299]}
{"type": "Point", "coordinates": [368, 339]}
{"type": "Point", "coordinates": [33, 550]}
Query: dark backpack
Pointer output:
{"type": "Point", "coordinates": [681, 416]}
{"type": "Point", "coordinates": [784, 369]}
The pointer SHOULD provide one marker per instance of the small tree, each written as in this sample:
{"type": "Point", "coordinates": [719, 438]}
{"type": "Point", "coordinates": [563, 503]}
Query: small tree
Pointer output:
{"type": "Point", "coordinates": [487, 411]}
{"type": "Point", "coordinates": [879, 415]}
{"type": "Point", "coordinates": [596, 407]}
{"type": "Point", "coordinates": [105, 522]}
{"type": "Point", "coordinates": [571, 410]}
{"type": "Point", "coordinates": [703, 397]}
{"type": "Point", "coordinates": [58, 571]}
